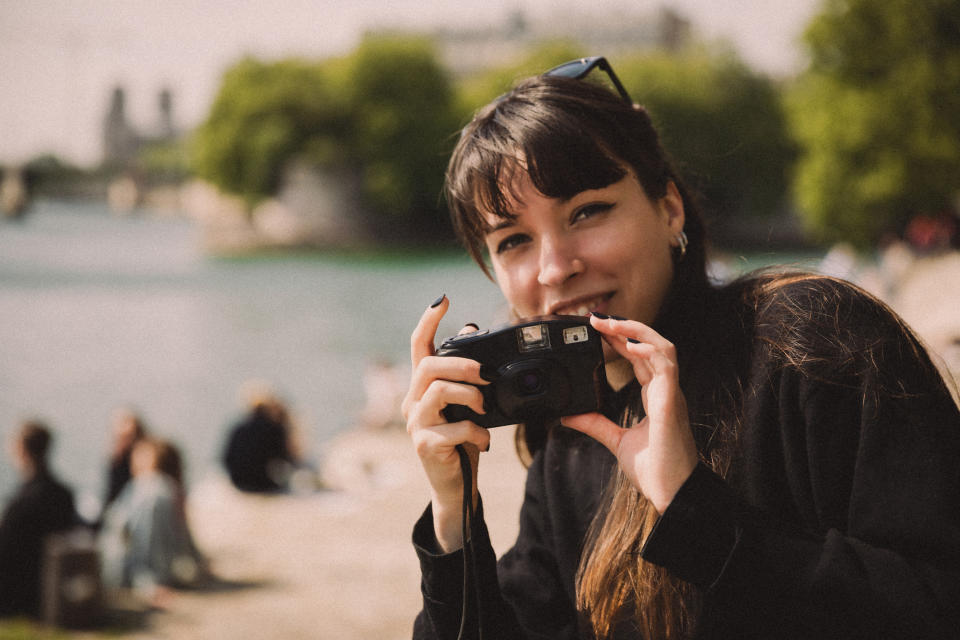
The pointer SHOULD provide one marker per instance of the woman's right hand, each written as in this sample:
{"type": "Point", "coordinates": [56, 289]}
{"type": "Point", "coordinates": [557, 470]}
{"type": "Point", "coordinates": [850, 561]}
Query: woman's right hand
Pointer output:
{"type": "Point", "coordinates": [435, 383]}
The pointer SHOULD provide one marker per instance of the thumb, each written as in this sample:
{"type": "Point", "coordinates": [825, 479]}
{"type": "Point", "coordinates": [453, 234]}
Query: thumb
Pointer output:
{"type": "Point", "coordinates": [598, 427]}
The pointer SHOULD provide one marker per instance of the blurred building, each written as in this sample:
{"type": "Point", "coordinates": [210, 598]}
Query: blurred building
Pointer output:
{"type": "Point", "coordinates": [608, 33]}
{"type": "Point", "coordinates": [122, 142]}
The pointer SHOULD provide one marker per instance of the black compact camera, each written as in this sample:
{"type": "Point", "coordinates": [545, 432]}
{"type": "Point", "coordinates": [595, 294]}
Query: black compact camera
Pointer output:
{"type": "Point", "coordinates": [540, 369]}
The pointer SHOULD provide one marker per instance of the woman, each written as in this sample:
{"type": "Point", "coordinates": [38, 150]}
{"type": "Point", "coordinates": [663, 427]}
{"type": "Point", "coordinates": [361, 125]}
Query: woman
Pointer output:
{"type": "Point", "coordinates": [146, 541]}
{"type": "Point", "coordinates": [776, 457]}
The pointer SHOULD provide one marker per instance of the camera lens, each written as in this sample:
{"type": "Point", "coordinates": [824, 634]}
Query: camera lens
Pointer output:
{"type": "Point", "coordinates": [530, 382]}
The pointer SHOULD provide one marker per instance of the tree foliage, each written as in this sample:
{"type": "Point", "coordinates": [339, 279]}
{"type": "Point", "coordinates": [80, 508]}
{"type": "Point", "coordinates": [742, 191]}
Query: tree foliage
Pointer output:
{"type": "Point", "coordinates": [878, 116]}
{"type": "Point", "coordinates": [264, 115]}
{"type": "Point", "coordinates": [383, 113]}
{"type": "Point", "coordinates": [402, 120]}
{"type": "Point", "coordinates": [476, 91]}
{"type": "Point", "coordinates": [724, 125]}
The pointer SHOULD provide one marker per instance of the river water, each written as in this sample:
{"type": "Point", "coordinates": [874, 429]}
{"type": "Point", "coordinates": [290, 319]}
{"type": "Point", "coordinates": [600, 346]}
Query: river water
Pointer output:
{"type": "Point", "coordinates": [99, 311]}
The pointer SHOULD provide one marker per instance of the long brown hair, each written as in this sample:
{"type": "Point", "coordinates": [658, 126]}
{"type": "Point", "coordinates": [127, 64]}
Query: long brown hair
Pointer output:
{"type": "Point", "coordinates": [613, 582]}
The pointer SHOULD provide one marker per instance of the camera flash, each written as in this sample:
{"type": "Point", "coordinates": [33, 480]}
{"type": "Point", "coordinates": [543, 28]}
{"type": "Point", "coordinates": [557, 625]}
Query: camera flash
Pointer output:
{"type": "Point", "coordinates": [574, 334]}
{"type": "Point", "coordinates": [534, 336]}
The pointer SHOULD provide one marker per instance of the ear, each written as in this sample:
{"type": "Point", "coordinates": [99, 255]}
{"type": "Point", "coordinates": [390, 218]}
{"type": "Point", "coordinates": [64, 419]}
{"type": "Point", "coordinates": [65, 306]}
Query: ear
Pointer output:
{"type": "Point", "coordinates": [671, 208]}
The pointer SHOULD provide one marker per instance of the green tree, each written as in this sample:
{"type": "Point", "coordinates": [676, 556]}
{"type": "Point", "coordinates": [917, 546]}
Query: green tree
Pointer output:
{"type": "Point", "coordinates": [402, 121]}
{"type": "Point", "coordinates": [877, 115]}
{"type": "Point", "coordinates": [476, 91]}
{"type": "Point", "coordinates": [383, 114]}
{"type": "Point", "coordinates": [265, 115]}
{"type": "Point", "coordinates": [724, 125]}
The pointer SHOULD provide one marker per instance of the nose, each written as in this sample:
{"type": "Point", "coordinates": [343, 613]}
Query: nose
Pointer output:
{"type": "Point", "coordinates": [558, 261]}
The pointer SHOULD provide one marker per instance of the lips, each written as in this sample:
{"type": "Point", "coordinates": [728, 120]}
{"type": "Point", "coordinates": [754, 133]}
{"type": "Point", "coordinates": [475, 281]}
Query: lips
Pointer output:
{"type": "Point", "coordinates": [581, 306]}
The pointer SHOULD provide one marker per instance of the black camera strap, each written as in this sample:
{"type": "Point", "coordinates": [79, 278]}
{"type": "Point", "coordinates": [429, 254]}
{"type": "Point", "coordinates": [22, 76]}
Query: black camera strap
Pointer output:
{"type": "Point", "coordinates": [468, 516]}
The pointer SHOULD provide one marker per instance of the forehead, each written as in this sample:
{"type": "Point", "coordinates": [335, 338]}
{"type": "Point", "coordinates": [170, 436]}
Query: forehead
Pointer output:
{"type": "Point", "coordinates": [516, 192]}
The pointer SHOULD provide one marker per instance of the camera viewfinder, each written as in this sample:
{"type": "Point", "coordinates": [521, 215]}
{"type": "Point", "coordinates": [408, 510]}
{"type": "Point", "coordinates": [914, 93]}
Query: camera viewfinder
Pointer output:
{"type": "Point", "coordinates": [533, 337]}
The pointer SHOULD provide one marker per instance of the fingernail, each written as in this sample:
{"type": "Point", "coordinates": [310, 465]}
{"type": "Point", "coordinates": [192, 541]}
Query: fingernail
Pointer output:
{"type": "Point", "coordinates": [487, 448]}
{"type": "Point", "coordinates": [618, 318]}
{"type": "Point", "coordinates": [475, 326]}
{"type": "Point", "coordinates": [602, 316]}
{"type": "Point", "coordinates": [633, 341]}
{"type": "Point", "coordinates": [436, 303]}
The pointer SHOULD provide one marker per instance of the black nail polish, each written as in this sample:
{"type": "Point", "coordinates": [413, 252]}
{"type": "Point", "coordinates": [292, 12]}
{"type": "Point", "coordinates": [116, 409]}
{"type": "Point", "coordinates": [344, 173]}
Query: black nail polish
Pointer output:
{"type": "Point", "coordinates": [487, 448]}
{"type": "Point", "coordinates": [602, 316]}
{"type": "Point", "coordinates": [436, 303]}
{"type": "Point", "coordinates": [475, 326]}
{"type": "Point", "coordinates": [633, 341]}
{"type": "Point", "coordinates": [618, 318]}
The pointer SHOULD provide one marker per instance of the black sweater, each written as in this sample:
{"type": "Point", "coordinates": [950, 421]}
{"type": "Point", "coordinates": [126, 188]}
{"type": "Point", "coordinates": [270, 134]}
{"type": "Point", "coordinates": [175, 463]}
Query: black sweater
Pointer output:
{"type": "Point", "coordinates": [840, 516]}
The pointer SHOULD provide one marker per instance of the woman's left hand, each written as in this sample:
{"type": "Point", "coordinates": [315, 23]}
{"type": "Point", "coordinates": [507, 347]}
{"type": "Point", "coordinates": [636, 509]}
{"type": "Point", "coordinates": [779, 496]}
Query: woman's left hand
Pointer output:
{"type": "Point", "coordinates": [658, 453]}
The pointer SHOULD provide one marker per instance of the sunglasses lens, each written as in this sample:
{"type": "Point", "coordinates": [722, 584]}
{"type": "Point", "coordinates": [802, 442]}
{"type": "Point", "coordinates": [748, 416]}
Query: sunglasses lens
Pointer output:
{"type": "Point", "coordinates": [575, 69]}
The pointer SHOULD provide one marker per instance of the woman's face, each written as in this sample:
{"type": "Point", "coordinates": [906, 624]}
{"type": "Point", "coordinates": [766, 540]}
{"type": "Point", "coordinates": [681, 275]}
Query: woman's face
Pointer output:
{"type": "Point", "coordinates": [143, 459]}
{"type": "Point", "coordinates": [605, 250]}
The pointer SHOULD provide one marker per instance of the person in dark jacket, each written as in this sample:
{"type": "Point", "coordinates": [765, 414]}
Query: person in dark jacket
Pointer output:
{"type": "Point", "coordinates": [41, 506]}
{"type": "Point", "coordinates": [775, 457]}
{"type": "Point", "coordinates": [260, 454]}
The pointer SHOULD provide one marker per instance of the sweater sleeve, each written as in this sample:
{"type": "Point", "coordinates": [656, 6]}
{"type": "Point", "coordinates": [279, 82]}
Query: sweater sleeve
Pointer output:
{"type": "Point", "coordinates": [845, 520]}
{"type": "Point", "coordinates": [443, 581]}
{"type": "Point", "coordinates": [520, 597]}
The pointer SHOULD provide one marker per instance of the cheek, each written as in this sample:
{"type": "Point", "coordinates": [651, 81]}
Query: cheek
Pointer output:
{"type": "Point", "coordinates": [518, 287]}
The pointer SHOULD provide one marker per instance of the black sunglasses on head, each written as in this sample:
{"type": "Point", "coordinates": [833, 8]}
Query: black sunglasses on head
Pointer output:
{"type": "Point", "coordinates": [578, 69]}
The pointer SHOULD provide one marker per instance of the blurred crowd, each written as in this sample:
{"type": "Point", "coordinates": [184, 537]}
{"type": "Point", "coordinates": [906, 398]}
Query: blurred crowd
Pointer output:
{"type": "Point", "coordinates": [63, 569]}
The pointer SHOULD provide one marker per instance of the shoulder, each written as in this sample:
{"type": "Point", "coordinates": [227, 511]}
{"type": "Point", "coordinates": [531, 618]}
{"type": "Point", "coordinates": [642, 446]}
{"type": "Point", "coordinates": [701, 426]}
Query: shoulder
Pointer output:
{"type": "Point", "coordinates": [817, 312]}
{"type": "Point", "coordinates": [46, 488]}
{"type": "Point", "coordinates": [812, 298]}
{"type": "Point", "coordinates": [831, 329]}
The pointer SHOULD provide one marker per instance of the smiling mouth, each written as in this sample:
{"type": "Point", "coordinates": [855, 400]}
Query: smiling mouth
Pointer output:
{"type": "Point", "coordinates": [583, 307]}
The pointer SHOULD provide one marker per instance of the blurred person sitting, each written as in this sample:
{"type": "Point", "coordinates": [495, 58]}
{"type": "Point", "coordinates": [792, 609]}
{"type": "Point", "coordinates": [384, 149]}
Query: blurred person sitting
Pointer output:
{"type": "Point", "coordinates": [127, 428]}
{"type": "Point", "coordinates": [260, 455]}
{"type": "Point", "coordinates": [384, 386]}
{"type": "Point", "coordinates": [41, 506]}
{"type": "Point", "coordinates": [146, 542]}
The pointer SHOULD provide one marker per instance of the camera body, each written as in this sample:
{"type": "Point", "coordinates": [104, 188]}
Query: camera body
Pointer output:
{"type": "Point", "coordinates": [539, 369]}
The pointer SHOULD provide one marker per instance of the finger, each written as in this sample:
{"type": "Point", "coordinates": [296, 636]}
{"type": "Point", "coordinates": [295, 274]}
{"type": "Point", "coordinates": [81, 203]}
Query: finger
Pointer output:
{"type": "Point", "coordinates": [647, 350]}
{"type": "Point", "coordinates": [441, 394]}
{"type": "Point", "coordinates": [432, 368]}
{"type": "Point", "coordinates": [421, 341]}
{"type": "Point", "coordinates": [660, 361]}
{"type": "Point", "coordinates": [440, 440]}
{"type": "Point", "coordinates": [640, 356]}
{"type": "Point", "coordinates": [597, 427]}
{"type": "Point", "coordinates": [470, 327]}
{"type": "Point", "coordinates": [624, 329]}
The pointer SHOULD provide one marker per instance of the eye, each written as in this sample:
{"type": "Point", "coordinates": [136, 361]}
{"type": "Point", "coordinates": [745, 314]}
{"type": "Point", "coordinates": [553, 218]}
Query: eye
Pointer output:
{"type": "Point", "coordinates": [512, 241]}
{"type": "Point", "coordinates": [590, 210]}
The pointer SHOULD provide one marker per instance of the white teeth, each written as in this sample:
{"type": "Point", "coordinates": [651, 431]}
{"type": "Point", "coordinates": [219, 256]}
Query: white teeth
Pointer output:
{"type": "Point", "coordinates": [580, 310]}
